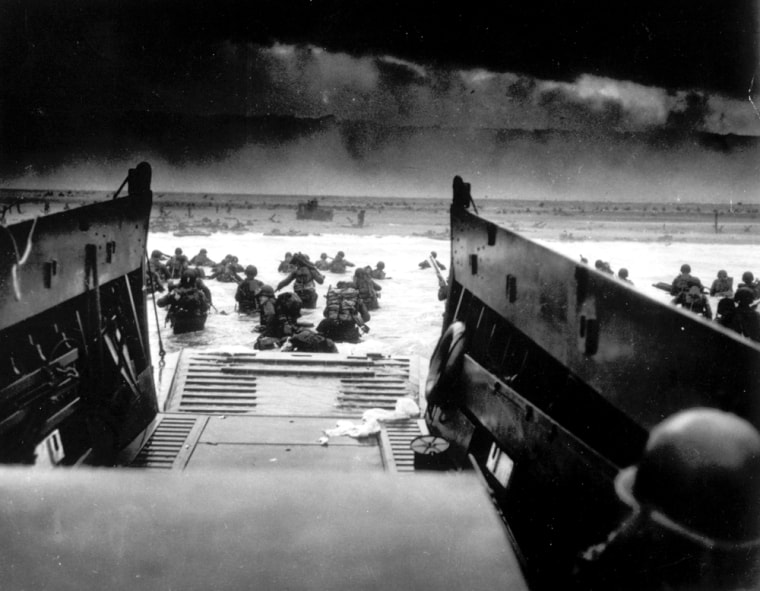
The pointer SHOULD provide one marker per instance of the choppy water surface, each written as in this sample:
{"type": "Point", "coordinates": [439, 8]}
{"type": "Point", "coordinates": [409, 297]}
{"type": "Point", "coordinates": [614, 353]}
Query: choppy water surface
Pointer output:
{"type": "Point", "coordinates": [409, 320]}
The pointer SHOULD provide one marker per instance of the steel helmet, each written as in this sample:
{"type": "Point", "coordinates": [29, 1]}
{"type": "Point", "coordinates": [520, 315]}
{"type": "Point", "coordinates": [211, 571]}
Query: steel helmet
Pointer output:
{"type": "Point", "coordinates": [251, 270]}
{"type": "Point", "coordinates": [700, 477]}
{"type": "Point", "coordinates": [266, 290]}
{"type": "Point", "coordinates": [748, 277]}
{"type": "Point", "coordinates": [685, 268]}
{"type": "Point", "coordinates": [381, 265]}
{"type": "Point", "coordinates": [156, 254]}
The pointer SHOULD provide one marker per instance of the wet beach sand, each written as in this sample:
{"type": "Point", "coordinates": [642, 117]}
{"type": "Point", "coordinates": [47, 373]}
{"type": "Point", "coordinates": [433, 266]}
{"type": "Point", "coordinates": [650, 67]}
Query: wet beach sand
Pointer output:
{"type": "Point", "coordinates": [189, 214]}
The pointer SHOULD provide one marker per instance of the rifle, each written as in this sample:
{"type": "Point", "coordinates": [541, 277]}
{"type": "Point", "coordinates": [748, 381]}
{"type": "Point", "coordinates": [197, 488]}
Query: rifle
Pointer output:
{"type": "Point", "coordinates": [441, 279]}
{"type": "Point", "coordinates": [668, 286]}
{"type": "Point", "coordinates": [443, 285]}
{"type": "Point", "coordinates": [299, 259]}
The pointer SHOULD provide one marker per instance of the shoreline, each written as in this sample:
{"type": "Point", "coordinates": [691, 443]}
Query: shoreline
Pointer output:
{"type": "Point", "coordinates": [189, 214]}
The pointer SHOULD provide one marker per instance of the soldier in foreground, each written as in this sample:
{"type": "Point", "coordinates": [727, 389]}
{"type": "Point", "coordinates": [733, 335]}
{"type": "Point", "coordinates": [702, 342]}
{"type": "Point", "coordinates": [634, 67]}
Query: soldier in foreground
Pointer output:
{"type": "Point", "coordinates": [279, 318]}
{"type": "Point", "coordinates": [695, 301]}
{"type": "Point", "coordinates": [156, 272]}
{"type": "Point", "coordinates": [187, 303]}
{"type": "Point", "coordinates": [339, 263]}
{"type": "Point", "coordinates": [305, 276]}
{"type": "Point", "coordinates": [749, 282]}
{"type": "Point", "coordinates": [345, 314]}
{"type": "Point", "coordinates": [285, 265]}
{"type": "Point", "coordinates": [368, 289]}
{"type": "Point", "coordinates": [722, 286]}
{"type": "Point", "coordinates": [323, 264]}
{"type": "Point", "coordinates": [247, 292]}
{"type": "Point", "coordinates": [177, 264]}
{"type": "Point", "coordinates": [201, 259]}
{"type": "Point", "coordinates": [379, 271]}
{"type": "Point", "coordinates": [743, 318]}
{"type": "Point", "coordinates": [695, 508]}
{"type": "Point", "coordinates": [426, 264]}
{"type": "Point", "coordinates": [227, 270]}
{"type": "Point", "coordinates": [684, 281]}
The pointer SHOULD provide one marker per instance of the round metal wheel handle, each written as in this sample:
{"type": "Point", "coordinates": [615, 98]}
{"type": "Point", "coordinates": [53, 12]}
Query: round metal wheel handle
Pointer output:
{"type": "Point", "coordinates": [429, 445]}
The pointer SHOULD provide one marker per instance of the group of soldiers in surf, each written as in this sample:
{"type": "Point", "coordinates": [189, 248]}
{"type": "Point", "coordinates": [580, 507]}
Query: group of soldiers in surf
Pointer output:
{"type": "Point", "coordinates": [345, 314]}
{"type": "Point", "coordinates": [188, 299]}
{"type": "Point", "coordinates": [346, 311]}
{"type": "Point", "coordinates": [604, 267]}
{"type": "Point", "coordinates": [736, 310]}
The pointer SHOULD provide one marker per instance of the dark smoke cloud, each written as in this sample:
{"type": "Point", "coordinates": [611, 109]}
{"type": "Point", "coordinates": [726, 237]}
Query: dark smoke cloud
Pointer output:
{"type": "Point", "coordinates": [369, 159]}
{"type": "Point", "coordinates": [248, 109]}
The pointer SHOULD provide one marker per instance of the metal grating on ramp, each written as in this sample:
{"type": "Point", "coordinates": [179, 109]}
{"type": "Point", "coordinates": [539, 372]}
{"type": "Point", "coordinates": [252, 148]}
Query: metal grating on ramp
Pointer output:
{"type": "Point", "coordinates": [166, 444]}
{"type": "Point", "coordinates": [375, 392]}
{"type": "Point", "coordinates": [220, 382]}
{"type": "Point", "coordinates": [396, 438]}
{"type": "Point", "coordinates": [204, 389]}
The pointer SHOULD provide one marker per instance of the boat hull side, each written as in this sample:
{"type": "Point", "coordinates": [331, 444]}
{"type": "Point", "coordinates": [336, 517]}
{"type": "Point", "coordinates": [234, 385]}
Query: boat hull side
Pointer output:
{"type": "Point", "coordinates": [646, 358]}
{"type": "Point", "coordinates": [56, 267]}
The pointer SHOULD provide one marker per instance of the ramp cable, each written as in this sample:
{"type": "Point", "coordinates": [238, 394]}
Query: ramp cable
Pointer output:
{"type": "Point", "coordinates": [161, 351]}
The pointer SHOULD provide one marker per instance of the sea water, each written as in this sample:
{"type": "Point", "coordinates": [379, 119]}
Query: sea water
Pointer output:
{"type": "Point", "coordinates": [409, 320]}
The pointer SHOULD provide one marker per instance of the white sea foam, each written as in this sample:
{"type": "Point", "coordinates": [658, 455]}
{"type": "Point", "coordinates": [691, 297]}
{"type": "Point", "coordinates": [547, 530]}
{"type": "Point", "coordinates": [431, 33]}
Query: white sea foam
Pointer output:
{"type": "Point", "coordinates": [409, 320]}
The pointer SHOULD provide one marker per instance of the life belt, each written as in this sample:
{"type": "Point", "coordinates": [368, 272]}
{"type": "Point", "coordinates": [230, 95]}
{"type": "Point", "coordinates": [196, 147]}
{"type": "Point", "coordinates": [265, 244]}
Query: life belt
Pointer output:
{"type": "Point", "coordinates": [446, 367]}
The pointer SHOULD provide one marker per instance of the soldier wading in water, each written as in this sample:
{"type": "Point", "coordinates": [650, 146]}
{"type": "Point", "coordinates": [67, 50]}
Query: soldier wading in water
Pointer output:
{"type": "Point", "coordinates": [345, 314]}
{"type": "Point", "coordinates": [304, 275]}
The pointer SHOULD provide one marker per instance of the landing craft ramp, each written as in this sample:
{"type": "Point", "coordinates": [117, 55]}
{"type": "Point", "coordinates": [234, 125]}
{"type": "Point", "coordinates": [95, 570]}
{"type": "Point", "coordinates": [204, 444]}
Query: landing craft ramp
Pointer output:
{"type": "Point", "coordinates": [264, 409]}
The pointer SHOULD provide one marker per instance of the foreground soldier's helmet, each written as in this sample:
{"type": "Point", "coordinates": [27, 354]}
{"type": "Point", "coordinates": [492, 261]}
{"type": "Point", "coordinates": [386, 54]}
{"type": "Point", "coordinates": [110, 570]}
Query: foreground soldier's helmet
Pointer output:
{"type": "Point", "coordinates": [748, 277]}
{"type": "Point", "coordinates": [381, 265]}
{"type": "Point", "coordinates": [203, 251]}
{"type": "Point", "coordinates": [267, 290]}
{"type": "Point", "coordinates": [722, 274]}
{"type": "Point", "coordinates": [341, 253]}
{"type": "Point", "coordinates": [700, 477]}
{"type": "Point", "coordinates": [323, 255]}
{"type": "Point", "coordinates": [190, 274]}
{"type": "Point", "coordinates": [156, 254]}
{"type": "Point", "coordinates": [685, 268]}
{"type": "Point", "coordinates": [251, 270]}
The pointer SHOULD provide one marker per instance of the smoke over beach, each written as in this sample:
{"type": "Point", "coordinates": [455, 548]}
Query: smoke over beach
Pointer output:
{"type": "Point", "coordinates": [227, 113]}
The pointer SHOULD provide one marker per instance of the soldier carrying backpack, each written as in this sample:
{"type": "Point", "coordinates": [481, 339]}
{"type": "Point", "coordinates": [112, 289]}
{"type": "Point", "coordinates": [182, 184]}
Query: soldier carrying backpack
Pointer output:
{"type": "Point", "coordinates": [345, 314]}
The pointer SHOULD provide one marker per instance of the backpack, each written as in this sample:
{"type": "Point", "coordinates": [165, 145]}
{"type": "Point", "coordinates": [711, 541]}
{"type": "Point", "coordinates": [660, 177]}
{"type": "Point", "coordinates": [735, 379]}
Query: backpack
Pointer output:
{"type": "Point", "coordinates": [341, 303]}
{"type": "Point", "coordinates": [306, 340]}
{"type": "Point", "coordinates": [289, 305]}
{"type": "Point", "coordinates": [191, 302]}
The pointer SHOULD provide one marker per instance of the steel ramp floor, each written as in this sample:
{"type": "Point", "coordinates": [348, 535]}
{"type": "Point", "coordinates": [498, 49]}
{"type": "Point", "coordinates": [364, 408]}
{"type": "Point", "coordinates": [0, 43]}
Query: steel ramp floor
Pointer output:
{"type": "Point", "coordinates": [253, 409]}
{"type": "Point", "coordinates": [264, 383]}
